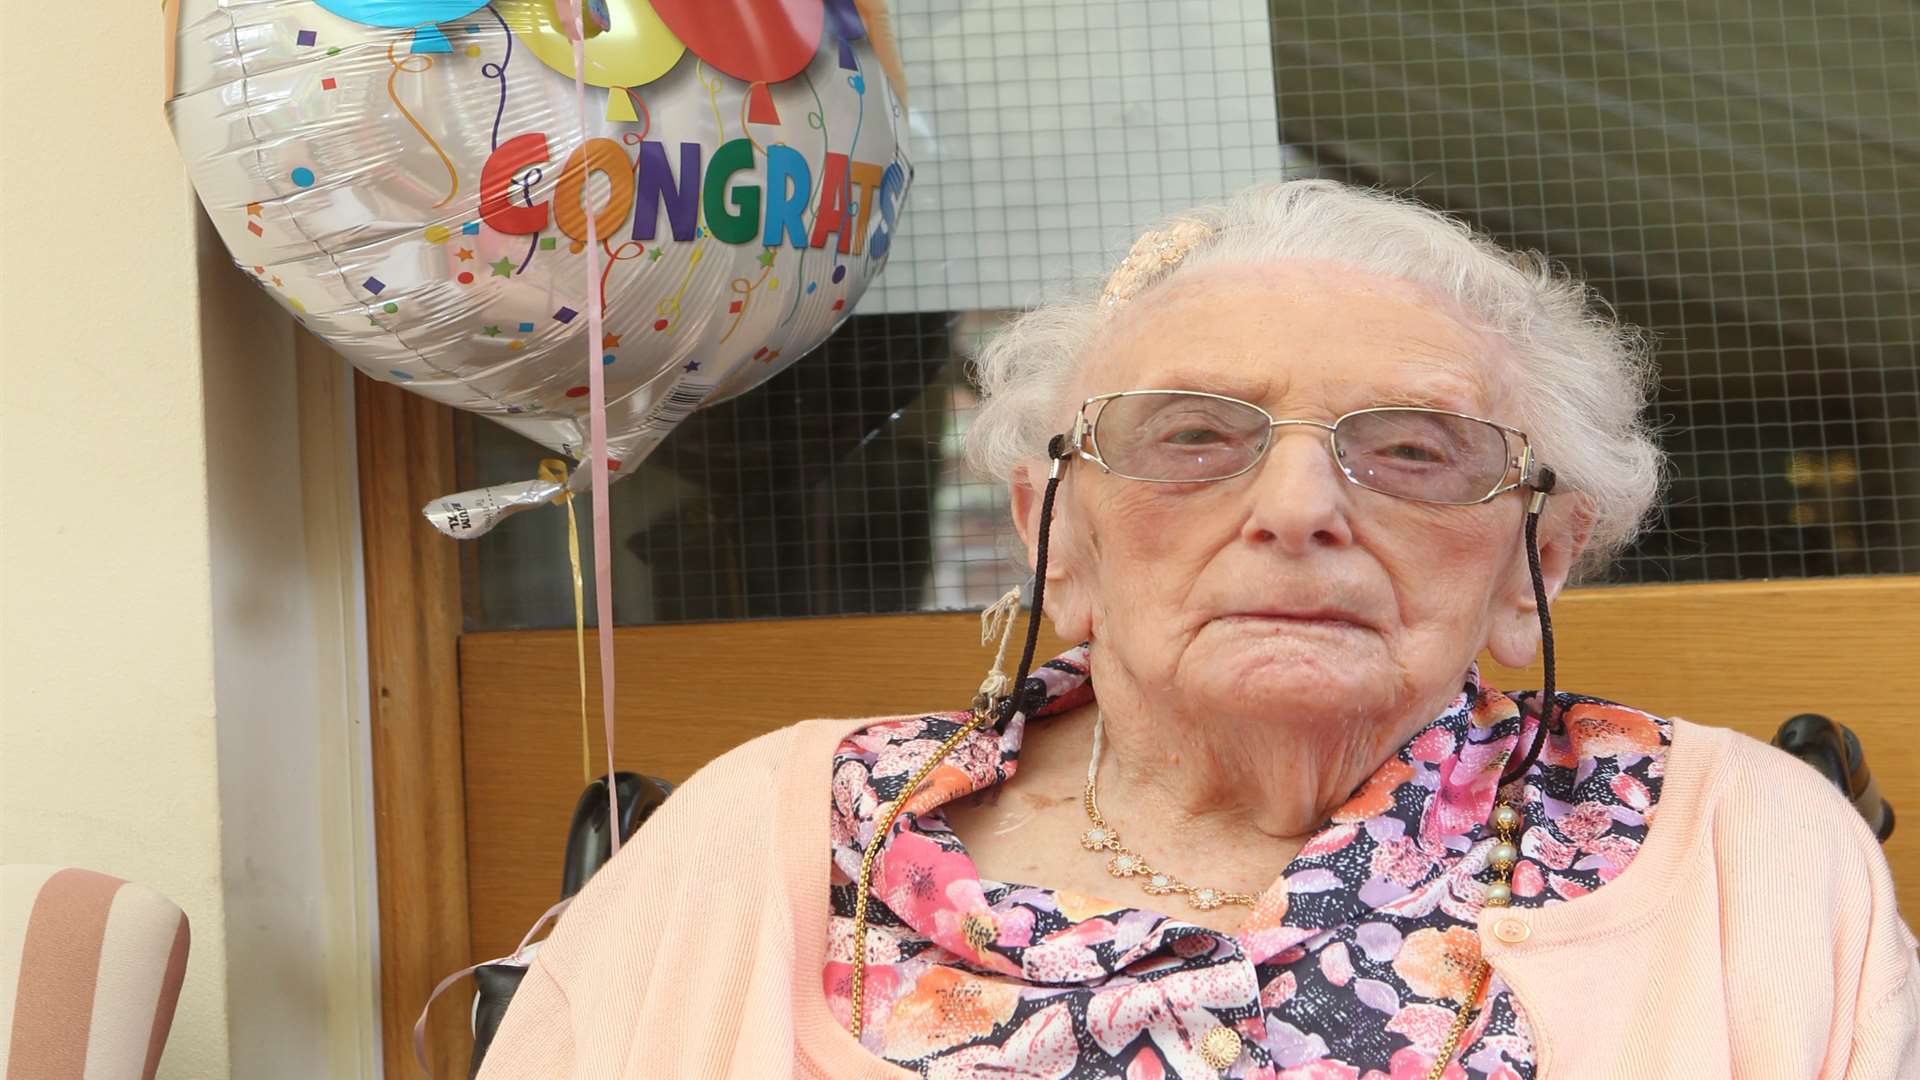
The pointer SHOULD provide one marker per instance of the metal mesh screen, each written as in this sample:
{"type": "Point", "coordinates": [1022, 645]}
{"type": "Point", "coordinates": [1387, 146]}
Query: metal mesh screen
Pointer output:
{"type": "Point", "coordinates": [1743, 179]}
{"type": "Point", "coordinates": [1745, 184]}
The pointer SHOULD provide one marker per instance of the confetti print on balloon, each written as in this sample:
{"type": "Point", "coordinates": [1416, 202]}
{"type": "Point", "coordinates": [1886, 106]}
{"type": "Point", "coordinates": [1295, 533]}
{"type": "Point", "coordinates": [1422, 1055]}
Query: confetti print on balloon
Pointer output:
{"type": "Point", "coordinates": [498, 72]}
{"type": "Point", "coordinates": [713, 98]}
{"type": "Point", "coordinates": [859, 84]}
{"type": "Point", "coordinates": [261, 278]}
{"type": "Point", "coordinates": [743, 290]}
{"type": "Point", "coordinates": [626, 252]}
{"type": "Point", "coordinates": [669, 309]}
{"type": "Point", "coordinates": [415, 63]}
{"type": "Point", "coordinates": [817, 119]}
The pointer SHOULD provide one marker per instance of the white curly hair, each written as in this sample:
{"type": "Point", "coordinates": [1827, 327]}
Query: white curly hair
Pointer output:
{"type": "Point", "coordinates": [1586, 375]}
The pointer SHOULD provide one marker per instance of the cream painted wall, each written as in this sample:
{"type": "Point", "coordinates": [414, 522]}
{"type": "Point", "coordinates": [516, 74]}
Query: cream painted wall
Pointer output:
{"type": "Point", "coordinates": [182, 697]}
{"type": "Point", "coordinates": [109, 757]}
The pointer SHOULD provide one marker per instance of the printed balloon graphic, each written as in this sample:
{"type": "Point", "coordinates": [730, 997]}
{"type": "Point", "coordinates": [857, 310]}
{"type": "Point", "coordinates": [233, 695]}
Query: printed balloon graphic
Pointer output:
{"type": "Point", "coordinates": [422, 14]}
{"type": "Point", "coordinates": [411, 178]}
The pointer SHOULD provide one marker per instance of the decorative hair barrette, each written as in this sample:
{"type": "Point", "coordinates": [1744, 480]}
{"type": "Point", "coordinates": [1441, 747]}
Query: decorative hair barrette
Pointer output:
{"type": "Point", "coordinates": [1152, 256]}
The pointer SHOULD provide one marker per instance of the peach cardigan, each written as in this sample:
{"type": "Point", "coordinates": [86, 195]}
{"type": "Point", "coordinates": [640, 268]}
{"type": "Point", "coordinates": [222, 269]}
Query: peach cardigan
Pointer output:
{"type": "Point", "coordinates": [1754, 935]}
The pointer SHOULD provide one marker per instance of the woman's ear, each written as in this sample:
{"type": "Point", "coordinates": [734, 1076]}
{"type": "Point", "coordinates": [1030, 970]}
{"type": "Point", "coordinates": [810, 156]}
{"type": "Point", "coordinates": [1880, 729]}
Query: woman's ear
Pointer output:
{"type": "Point", "coordinates": [1514, 637]}
{"type": "Point", "coordinates": [1066, 602]}
{"type": "Point", "coordinates": [1027, 489]}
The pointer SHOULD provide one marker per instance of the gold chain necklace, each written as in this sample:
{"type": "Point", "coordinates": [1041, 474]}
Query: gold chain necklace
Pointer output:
{"type": "Point", "coordinates": [1126, 863]}
{"type": "Point", "coordinates": [891, 811]}
{"type": "Point", "coordinates": [1503, 856]}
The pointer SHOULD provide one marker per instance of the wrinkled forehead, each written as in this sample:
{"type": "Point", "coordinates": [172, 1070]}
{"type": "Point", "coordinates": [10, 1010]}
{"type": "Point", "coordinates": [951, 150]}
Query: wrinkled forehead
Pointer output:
{"type": "Point", "coordinates": [1300, 334]}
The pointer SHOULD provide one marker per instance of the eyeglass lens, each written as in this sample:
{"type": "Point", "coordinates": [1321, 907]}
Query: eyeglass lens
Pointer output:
{"type": "Point", "coordinates": [1410, 453]}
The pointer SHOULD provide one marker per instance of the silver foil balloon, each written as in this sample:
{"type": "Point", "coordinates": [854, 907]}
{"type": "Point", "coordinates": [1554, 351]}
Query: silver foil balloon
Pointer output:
{"type": "Point", "coordinates": [411, 179]}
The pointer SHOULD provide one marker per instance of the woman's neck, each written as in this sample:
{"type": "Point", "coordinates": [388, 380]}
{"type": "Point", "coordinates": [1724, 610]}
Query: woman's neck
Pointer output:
{"type": "Point", "coordinates": [1241, 793]}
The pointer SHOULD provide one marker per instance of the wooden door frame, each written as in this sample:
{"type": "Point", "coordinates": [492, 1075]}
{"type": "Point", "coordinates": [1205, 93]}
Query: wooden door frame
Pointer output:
{"type": "Point", "coordinates": [414, 622]}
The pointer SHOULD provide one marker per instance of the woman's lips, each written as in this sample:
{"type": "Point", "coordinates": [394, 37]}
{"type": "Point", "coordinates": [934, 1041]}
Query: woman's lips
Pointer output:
{"type": "Point", "coordinates": [1327, 619]}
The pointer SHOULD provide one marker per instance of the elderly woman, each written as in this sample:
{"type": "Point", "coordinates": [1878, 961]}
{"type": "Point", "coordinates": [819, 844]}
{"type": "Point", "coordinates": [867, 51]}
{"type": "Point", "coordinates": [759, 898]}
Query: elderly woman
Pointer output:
{"type": "Point", "coordinates": [1300, 460]}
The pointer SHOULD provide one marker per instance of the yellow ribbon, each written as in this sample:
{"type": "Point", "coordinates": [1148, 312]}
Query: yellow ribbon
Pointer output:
{"type": "Point", "coordinates": [555, 470]}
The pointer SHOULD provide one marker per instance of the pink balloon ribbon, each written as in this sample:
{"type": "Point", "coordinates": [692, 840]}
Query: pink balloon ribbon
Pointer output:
{"type": "Point", "coordinates": [602, 543]}
{"type": "Point", "coordinates": [420, 1025]}
{"type": "Point", "coordinates": [570, 12]}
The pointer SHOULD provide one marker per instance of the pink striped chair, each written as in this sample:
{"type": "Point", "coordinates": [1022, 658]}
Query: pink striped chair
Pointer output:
{"type": "Point", "coordinates": [90, 971]}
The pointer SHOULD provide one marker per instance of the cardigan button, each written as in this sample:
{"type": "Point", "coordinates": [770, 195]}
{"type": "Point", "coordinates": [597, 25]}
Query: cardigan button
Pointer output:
{"type": "Point", "coordinates": [1220, 1048]}
{"type": "Point", "coordinates": [1512, 931]}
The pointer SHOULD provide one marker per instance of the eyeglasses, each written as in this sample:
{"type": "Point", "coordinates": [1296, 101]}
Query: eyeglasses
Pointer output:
{"type": "Point", "coordinates": [1188, 436]}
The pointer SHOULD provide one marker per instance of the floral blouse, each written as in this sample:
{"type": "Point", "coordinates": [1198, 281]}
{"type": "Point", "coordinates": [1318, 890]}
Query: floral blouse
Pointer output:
{"type": "Point", "coordinates": [1351, 965]}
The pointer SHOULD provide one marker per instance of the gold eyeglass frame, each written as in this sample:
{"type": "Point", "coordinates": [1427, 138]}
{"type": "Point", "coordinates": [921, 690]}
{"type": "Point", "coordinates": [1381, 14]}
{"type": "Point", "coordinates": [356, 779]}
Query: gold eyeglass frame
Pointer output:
{"type": "Point", "coordinates": [1523, 469]}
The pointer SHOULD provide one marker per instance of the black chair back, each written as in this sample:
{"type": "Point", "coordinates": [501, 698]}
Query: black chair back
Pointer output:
{"type": "Point", "coordinates": [1835, 753]}
{"type": "Point", "coordinates": [589, 846]}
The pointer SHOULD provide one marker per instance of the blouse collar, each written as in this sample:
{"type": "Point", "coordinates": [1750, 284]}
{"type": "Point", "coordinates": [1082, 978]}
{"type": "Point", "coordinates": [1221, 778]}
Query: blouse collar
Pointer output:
{"type": "Point", "coordinates": [1397, 844]}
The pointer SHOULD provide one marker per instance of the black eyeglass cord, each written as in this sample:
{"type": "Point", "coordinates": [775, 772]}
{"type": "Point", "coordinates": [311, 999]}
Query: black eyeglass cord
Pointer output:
{"type": "Point", "coordinates": [1023, 696]}
{"type": "Point", "coordinates": [1026, 697]}
{"type": "Point", "coordinates": [1549, 706]}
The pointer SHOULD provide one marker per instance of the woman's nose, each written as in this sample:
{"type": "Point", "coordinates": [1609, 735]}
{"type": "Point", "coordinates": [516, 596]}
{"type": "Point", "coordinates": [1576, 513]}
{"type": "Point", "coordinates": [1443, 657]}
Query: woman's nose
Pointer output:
{"type": "Point", "coordinates": [1300, 501]}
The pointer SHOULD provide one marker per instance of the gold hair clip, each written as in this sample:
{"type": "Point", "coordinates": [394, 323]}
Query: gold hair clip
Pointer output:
{"type": "Point", "coordinates": [1151, 257]}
